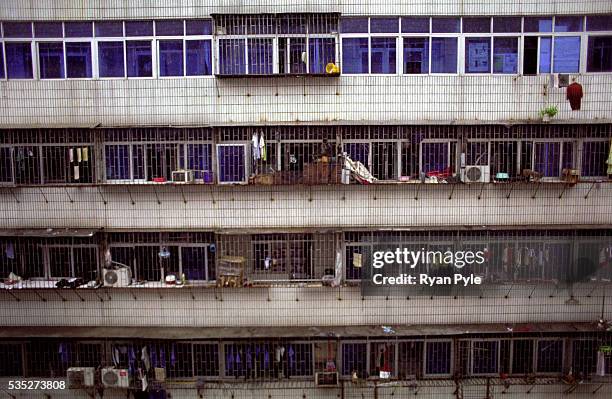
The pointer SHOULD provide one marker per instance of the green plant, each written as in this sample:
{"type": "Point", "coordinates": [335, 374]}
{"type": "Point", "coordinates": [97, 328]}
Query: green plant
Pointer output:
{"type": "Point", "coordinates": [549, 111]}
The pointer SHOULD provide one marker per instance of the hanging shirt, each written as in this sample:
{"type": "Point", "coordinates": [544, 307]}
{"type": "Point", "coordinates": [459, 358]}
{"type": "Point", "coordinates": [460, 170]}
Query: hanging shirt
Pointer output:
{"type": "Point", "coordinates": [574, 95]}
{"type": "Point", "coordinates": [256, 152]}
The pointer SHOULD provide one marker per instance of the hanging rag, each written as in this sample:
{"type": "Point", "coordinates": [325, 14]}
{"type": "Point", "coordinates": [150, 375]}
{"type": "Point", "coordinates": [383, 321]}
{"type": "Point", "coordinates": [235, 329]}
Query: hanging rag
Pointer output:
{"type": "Point", "coordinates": [162, 356]}
{"type": "Point", "coordinates": [601, 364]}
{"type": "Point", "coordinates": [64, 352]}
{"type": "Point", "coordinates": [79, 157]}
{"type": "Point", "coordinates": [291, 354]}
{"type": "Point", "coordinates": [146, 360]}
{"type": "Point", "coordinates": [85, 154]}
{"type": "Point", "coordinates": [71, 154]}
{"type": "Point", "coordinates": [609, 162]}
{"type": "Point", "coordinates": [255, 142]}
{"type": "Point", "coordinates": [356, 259]}
{"type": "Point", "coordinates": [76, 172]}
{"type": "Point", "coordinates": [262, 148]}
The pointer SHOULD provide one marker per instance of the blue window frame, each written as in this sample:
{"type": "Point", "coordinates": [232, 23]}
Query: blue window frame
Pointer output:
{"type": "Point", "coordinates": [111, 59]}
{"type": "Point", "coordinates": [261, 56]}
{"type": "Point", "coordinates": [355, 55]}
{"type": "Point", "coordinates": [198, 57]}
{"type": "Point", "coordinates": [51, 60]}
{"type": "Point", "coordinates": [117, 161]}
{"type": "Point", "coordinates": [505, 54]}
{"type": "Point", "coordinates": [599, 54]}
{"type": "Point", "coordinates": [171, 57]}
{"type": "Point", "coordinates": [232, 58]}
{"type": "Point", "coordinates": [416, 55]}
{"type": "Point", "coordinates": [478, 55]}
{"type": "Point", "coordinates": [139, 59]}
{"type": "Point", "coordinates": [78, 60]}
{"type": "Point", "coordinates": [19, 60]}
{"type": "Point", "coordinates": [321, 52]}
{"type": "Point", "coordinates": [443, 55]}
{"type": "Point", "coordinates": [232, 163]}
{"type": "Point", "coordinates": [566, 57]}
{"type": "Point", "coordinates": [383, 55]}
{"type": "Point", "coordinates": [199, 159]}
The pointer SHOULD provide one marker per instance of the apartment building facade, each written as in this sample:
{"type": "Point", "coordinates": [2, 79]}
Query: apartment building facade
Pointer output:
{"type": "Point", "coordinates": [149, 148]}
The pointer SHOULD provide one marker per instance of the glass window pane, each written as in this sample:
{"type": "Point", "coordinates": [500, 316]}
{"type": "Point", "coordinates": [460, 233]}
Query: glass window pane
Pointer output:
{"type": "Point", "coordinates": [232, 163]}
{"type": "Point", "coordinates": [416, 55]}
{"type": "Point", "coordinates": [568, 24]}
{"type": "Point", "coordinates": [48, 29]}
{"type": "Point", "coordinates": [110, 59]}
{"type": "Point", "coordinates": [506, 24]}
{"type": "Point", "coordinates": [383, 55]}
{"type": "Point", "coordinates": [321, 51]}
{"type": "Point", "coordinates": [530, 55]}
{"type": "Point", "coordinates": [547, 159]}
{"type": "Point", "coordinates": [505, 55]}
{"type": "Point", "coordinates": [232, 57]}
{"type": "Point", "coordinates": [139, 28]}
{"type": "Point", "coordinates": [354, 25]}
{"type": "Point", "coordinates": [18, 60]}
{"type": "Point", "coordinates": [78, 60]}
{"type": "Point", "coordinates": [169, 28]}
{"type": "Point", "coordinates": [355, 55]}
{"type": "Point", "coordinates": [78, 29]}
{"type": "Point", "coordinates": [566, 54]}
{"type": "Point", "coordinates": [415, 25]}
{"type": "Point", "coordinates": [545, 54]}
{"type": "Point", "coordinates": [117, 160]}
{"type": "Point", "coordinates": [139, 59]}
{"type": "Point", "coordinates": [478, 55]}
{"type": "Point", "coordinates": [198, 57]}
{"type": "Point", "coordinates": [260, 56]}
{"type": "Point", "coordinates": [476, 25]}
{"type": "Point", "coordinates": [199, 26]}
{"type": "Point", "coordinates": [538, 24]}
{"type": "Point", "coordinates": [109, 29]}
{"type": "Point", "coordinates": [292, 23]}
{"type": "Point", "coordinates": [444, 55]}
{"type": "Point", "coordinates": [171, 58]}
{"type": "Point", "coordinates": [17, 29]}
{"type": "Point", "coordinates": [599, 56]}
{"type": "Point", "coordinates": [51, 60]}
{"type": "Point", "coordinates": [384, 25]}
{"type": "Point", "coordinates": [599, 22]}
{"type": "Point", "coordinates": [445, 25]}
{"type": "Point", "coordinates": [1, 62]}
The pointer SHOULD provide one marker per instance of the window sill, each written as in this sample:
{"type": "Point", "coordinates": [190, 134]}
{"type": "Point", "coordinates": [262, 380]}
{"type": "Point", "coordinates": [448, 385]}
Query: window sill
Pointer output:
{"type": "Point", "coordinates": [278, 75]}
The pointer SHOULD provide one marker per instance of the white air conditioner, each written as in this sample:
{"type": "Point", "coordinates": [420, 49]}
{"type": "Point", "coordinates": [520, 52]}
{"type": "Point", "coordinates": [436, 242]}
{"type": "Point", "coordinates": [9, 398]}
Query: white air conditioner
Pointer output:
{"type": "Point", "coordinates": [121, 277]}
{"type": "Point", "coordinates": [476, 174]}
{"type": "Point", "coordinates": [182, 176]}
{"type": "Point", "coordinates": [80, 377]}
{"type": "Point", "coordinates": [115, 378]}
{"type": "Point", "coordinates": [326, 379]}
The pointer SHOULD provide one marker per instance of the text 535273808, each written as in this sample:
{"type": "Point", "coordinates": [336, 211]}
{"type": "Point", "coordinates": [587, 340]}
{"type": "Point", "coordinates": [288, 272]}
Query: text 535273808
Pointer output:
{"type": "Point", "coordinates": [36, 385]}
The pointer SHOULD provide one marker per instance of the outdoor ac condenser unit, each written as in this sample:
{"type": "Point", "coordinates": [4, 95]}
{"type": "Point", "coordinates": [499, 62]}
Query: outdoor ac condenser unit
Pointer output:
{"type": "Point", "coordinates": [121, 277]}
{"type": "Point", "coordinates": [80, 377]}
{"type": "Point", "coordinates": [115, 378]}
{"type": "Point", "coordinates": [476, 174]}
{"type": "Point", "coordinates": [325, 379]}
{"type": "Point", "coordinates": [183, 176]}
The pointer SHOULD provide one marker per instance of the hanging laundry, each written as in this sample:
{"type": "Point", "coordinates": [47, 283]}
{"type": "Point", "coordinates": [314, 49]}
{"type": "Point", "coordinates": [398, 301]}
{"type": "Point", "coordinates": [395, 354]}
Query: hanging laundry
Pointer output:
{"type": "Point", "coordinates": [262, 148]}
{"type": "Point", "coordinates": [601, 363]}
{"type": "Point", "coordinates": [280, 352]}
{"type": "Point", "coordinates": [291, 354]}
{"type": "Point", "coordinates": [10, 251]}
{"type": "Point", "coordinates": [71, 155]}
{"type": "Point", "coordinates": [76, 172]}
{"type": "Point", "coordinates": [85, 154]}
{"type": "Point", "coordinates": [229, 358]}
{"type": "Point", "coordinates": [78, 151]}
{"type": "Point", "coordinates": [266, 358]}
{"type": "Point", "coordinates": [609, 161]}
{"type": "Point", "coordinates": [146, 359]}
{"type": "Point", "coordinates": [574, 94]}
{"type": "Point", "coordinates": [356, 260]}
{"type": "Point", "coordinates": [64, 352]}
{"type": "Point", "coordinates": [267, 262]}
{"type": "Point", "coordinates": [255, 145]}
{"type": "Point", "coordinates": [173, 356]}
{"type": "Point", "coordinates": [153, 356]}
{"type": "Point", "coordinates": [132, 360]}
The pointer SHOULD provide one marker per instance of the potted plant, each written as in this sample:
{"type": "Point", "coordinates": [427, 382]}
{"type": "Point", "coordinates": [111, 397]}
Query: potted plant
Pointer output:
{"type": "Point", "coordinates": [549, 112]}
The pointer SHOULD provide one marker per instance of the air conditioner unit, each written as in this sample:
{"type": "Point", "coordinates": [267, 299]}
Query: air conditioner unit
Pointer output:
{"type": "Point", "coordinates": [121, 277]}
{"type": "Point", "coordinates": [115, 378]}
{"type": "Point", "coordinates": [182, 176]}
{"type": "Point", "coordinates": [476, 174]}
{"type": "Point", "coordinates": [326, 379]}
{"type": "Point", "coordinates": [80, 377]}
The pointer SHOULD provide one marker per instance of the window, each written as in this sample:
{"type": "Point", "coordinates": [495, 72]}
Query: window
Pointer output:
{"type": "Point", "coordinates": [476, 25]}
{"type": "Point", "coordinates": [232, 57]}
{"type": "Point", "coordinates": [354, 25]}
{"type": "Point", "coordinates": [49, 359]}
{"type": "Point", "coordinates": [445, 25]}
{"type": "Point", "coordinates": [171, 58]}
{"type": "Point", "coordinates": [507, 24]}
{"type": "Point", "coordinates": [111, 59]}
{"type": "Point", "coordinates": [63, 164]}
{"type": "Point", "coordinates": [485, 357]}
{"type": "Point", "coordinates": [355, 55]}
{"type": "Point", "coordinates": [599, 55]}
{"type": "Point", "coordinates": [416, 55]}
{"type": "Point", "coordinates": [566, 54]}
{"type": "Point", "coordinates": [267, 359]}
{"type": "Point", "coordinates": [415, 25]}
{"type": "Point", "coordinates": [538, 24]}
{"type": "Point", "coordinates": [384, 25]}
{"type": "Point", "coordinates": [438, 358]}
{"type": "Point", "coordinates": [322, 51]}
{"type": "Point", "coordinates": [72, 261]}
{"type": "Point", "coordinates": [206, 360]}
{"type": "Point", "coordinates": [410, 360]}
{"type": "Point", "coordinates": [199, 159]}
{"type": "Point", "coordinates": [198, 27]}
{"type": "Point", "coordinates": [547, 158]}
{"type": "Point", "coordinates": [17, 29]}
{"type": "Point", "coordinates": [444, 55]}
{"type": "Point", "coordinates": [117, 161]}
{"type": "Point", "coordinates": [11, 363]}
{"type": "Point", "coordinates": [139, 58]}
{"type": "Point", "coordinates": [1, 61]}
{"type": "Point", "coordinates": [6, 165]}
{"type": "Point", "coordinates": [169, 28]}
{"type": "Point", "coordinates": [522, 356]}
{"type": "Point", "coordinates": [260, 56]}
{"type": "Point", "coordinates": [594, 157]}
{"type": "Point", "coordinates": [231, 161]}
{"type": "Point", "coordinates": [139, 28]}
{"type": "Point", "coordinates": [584, 356]}
{"type": "Point", "coordinates": [505, 55]}
{"type": "Point", "coordinates": [354, 357]}
{"type": "Point", "coordinates": [284, 254]}
{"type": "Point", "coordinates": [382, 358]}
{"type": "Point", "coordinates": [18, 60]}
{"type": "Point", "coordinates": [383, 54]}
{"type": "Point", "coordinates": [78, 60]}
{"type": "Point", "coordinates": [550, 356]}
{"type": "Point", "coordinates": [534, 45]}
{"type": "Point", "coordinates": [51, 60]}
{"type": "Point", "coordinates": [78, 29]}
{"type": "Point", "coordinates": [568, 24]}
{"type": "Point", "coordinates": [478, 55]}
{"type": "Point", "coordinates": [27, 165]}
{"type": "Point", "coordinates": [198, 57]}
{"type": "Point", "coordinates": [109, 29]}
{"type": "Point", "coordinates": [598, 22]}
{"type": "Point", "coordinates": [437, 157]}
{"type": "Point", "coordinates": [48, 29]}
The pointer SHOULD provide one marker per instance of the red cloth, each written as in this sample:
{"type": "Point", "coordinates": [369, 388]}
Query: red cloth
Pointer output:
{"type": "Point", "coordinates": [574, 95]}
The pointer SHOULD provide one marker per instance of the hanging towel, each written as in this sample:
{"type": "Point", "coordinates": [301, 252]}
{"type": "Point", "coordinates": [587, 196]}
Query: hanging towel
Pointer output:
{"type": "Point", "coordinates": [601, 364]}
{"type": "Point", "coordinates": [291, 354]}
{"type": "Point", "coordinates": [256, 152]}
{"type": "Point", "coordinates": [146, 360]}
{"type": "Point", "coordinates": [71, 154]}
{"type": "Point", "coordinates": [76, 172]}
{"type": "Point", "coordinates": [78, 151]}
{"type": "Point", "coordinates": [610, 159]}
{"type": "Point", "coordinates": [85, 154]}
{"type": "Point", "coordinates": [262, 148]}
{"type": "Point", "coordinates": [356, 260]}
